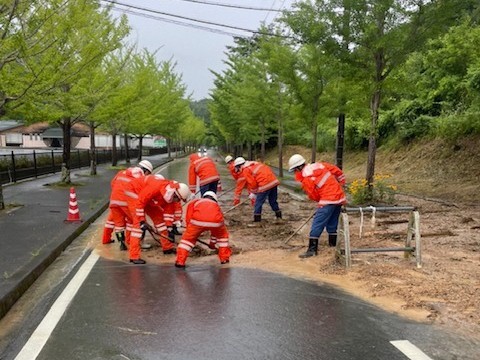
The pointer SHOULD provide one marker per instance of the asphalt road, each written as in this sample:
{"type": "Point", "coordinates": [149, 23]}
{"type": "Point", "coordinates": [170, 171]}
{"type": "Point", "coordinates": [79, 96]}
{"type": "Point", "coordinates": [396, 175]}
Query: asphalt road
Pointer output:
{"type": "Point", "coordinates": [94, 308]}
{"type": "Point", "coordinates": [212, 312]}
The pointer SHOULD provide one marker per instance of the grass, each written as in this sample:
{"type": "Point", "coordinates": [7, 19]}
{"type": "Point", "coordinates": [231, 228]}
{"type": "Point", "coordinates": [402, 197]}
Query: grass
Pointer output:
{"type": "Point", "coordinates": [433, 168]}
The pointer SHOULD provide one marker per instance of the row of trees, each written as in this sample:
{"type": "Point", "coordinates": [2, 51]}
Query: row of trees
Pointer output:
{"type": "Point", "coordinates": [66, 61]}
{"type": "Point", "coordinates": [397, 69]}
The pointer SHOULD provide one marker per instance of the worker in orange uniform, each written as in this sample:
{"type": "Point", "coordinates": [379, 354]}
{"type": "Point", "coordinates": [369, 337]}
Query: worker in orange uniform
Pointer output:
{"type": "Point", "coordinates": [262, 184]}
{"type": "Point", "coordinates": [322, 182]}
{"type": "Point", "coordinates": [204, 215]}
{"type": "Point", "coordinates": [241, 182]}
{"type": "Point", "coordinates": [204, 168]}
{"type": "Point", "coordinates": [119, 216]}
{"type": "Point", "coordinates": [152, 195]}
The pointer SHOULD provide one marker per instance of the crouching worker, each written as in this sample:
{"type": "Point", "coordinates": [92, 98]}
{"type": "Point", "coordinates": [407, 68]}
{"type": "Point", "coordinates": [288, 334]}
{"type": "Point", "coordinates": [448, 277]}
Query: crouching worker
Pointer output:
{"type": "Point", "coordinates": [204, 215]}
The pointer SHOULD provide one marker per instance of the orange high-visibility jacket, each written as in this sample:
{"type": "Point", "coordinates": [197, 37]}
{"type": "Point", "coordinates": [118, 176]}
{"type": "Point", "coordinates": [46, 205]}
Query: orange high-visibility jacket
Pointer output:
{"type": "Point", "coordinates": [147, 189]}
{"type": "Point", "coordinates": [321, 184]}
{"type": "Point", "coordinates": [259, 177]}
{"type": "Point", "coordinates": [204, 168]}
{"type": "Point", "coordinates": [119, 184]}
{"type": "Point", "coordinates": [241, 182]}
{"type": "Point", "coordinates": [204, 212]}
{"type": "Point", "coordinates": [173, 213]}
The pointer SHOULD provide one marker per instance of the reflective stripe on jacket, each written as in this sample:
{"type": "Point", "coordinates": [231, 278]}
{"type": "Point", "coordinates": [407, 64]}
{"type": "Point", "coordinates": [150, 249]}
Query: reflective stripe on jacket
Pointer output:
{"type": "Point", "coordinates": [204, 168]}
{"type": "Point", "coordinates": [321, 185]}
{"type": "Point", "coordinates": [259, 177]}
{"type": "Point", "coordinates": [149, 188]}
{"type": "Point", "coordinates": [119, 184]}
{"type": "Point", "coordinates": [204, 212]}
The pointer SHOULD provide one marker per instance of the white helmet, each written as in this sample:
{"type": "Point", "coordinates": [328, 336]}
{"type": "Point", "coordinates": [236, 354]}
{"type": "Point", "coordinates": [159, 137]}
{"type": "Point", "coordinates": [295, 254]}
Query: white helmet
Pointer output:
{"type": "Point", "coordinates": [210, 194]}
{"type": "Point", "coordinates": [295, 161]}
{"type": "Point", "coordinates": [147, 165]}
{"type": "Point", "coordinates": [183, 192]}
{"type": "Point", "coordinates": [228, 158]}
{"type": "Point", "coordinates": [239, 161]}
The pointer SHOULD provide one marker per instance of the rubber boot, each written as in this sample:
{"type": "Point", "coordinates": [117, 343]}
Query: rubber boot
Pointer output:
{"type": "Point", "coordinates": [312, 249]}
{"type": "Point", "coordinates": [121, 238]}
{"type": "Point", "coordinates": [224, 254]}
{"type": "Point", "coordinates": [332, 240]}
{"type": "Point", "coordinates": [278, 214]}
{"type": "Point", "coordinates": [181, 259]}
{"type": "Point", "coordinates": [257, 217]}
{"type": "Point", "coordinates": [107, 235]}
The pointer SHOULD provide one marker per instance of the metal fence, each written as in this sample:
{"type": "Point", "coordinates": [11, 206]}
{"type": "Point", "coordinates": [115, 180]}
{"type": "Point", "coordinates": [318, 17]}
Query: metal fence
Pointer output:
{"type": "Point", "coordinates": [26, 165]}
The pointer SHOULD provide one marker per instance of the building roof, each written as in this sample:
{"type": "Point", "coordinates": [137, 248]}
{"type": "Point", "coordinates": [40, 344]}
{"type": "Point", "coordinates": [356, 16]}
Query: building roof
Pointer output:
{"type": "Point", "coordinates": [6, 125]}
{"type": "Point", "coordinates": [78, 130]}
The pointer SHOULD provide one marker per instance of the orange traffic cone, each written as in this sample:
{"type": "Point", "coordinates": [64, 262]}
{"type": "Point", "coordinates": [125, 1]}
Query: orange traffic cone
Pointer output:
{"type": "Point", "coordinates": [73, 211]}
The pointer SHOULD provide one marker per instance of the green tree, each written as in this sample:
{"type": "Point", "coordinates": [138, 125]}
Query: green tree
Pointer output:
{"type": "Point", "coordinates": [84, 34]}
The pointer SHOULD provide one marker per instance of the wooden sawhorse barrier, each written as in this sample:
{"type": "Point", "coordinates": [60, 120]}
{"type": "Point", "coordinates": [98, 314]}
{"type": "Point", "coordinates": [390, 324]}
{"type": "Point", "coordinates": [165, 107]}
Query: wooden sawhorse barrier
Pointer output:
{"type": "Point", "coordinates": [413, 232]}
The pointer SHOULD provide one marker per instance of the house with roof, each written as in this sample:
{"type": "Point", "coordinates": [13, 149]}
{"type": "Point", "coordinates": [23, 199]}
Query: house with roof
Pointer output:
{"type": "Point", "coordinates": [15, 134]}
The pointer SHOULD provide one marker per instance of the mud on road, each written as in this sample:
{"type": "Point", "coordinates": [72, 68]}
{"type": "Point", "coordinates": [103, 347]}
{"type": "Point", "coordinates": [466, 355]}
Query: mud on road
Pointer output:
{"type": "Point", "coordinates": [445, 291]}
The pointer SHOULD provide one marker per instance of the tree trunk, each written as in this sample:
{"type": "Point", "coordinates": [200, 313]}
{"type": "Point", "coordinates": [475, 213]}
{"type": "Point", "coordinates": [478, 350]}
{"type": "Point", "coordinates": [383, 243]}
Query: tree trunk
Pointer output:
{"type": "Point", "coordinates": [66, 124]}
{"type": "Point", "coordinates": [169, 150]}
{"type": "Point", "coordinates": [280, 132]}
{"type": "Point", "coordinates": [140, 148]}
{"type": "Point", "coordinates": [340, 140]}
{"type": "Point", "coordinates": [280, 144]}
{"type": "Point", "coordinates": [372, 147]}
{"type": "Point", "coordinates": [314, 138]}
{"type": "Point", "coordinates": [314, 127]}
{"type": "Point", "coordinates": [2, 202]}
{"type": "Point", "coordinates": [262, 145]}
{"type": "Point", "coordinates": [114, 149]}
{"type": "Point", "coordinates": [92, 152]}
{"type": "Point", "coordinates": [127, 153]}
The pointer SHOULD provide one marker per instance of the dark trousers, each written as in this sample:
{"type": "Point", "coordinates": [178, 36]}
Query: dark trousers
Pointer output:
{"type": "Point", "coordinates": [272, 195]}
{"type": "Point", "coordinates": [209, 187]}
{"type": "Point", "coordinates": [325, 217]}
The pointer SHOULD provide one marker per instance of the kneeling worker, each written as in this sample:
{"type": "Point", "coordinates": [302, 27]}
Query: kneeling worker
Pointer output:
{"type": "Point", "coordinates": [204, 215]}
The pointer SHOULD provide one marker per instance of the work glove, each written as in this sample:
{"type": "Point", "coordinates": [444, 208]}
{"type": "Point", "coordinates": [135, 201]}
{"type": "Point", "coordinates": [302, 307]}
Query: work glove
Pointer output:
{"type": "Point", "coordinates": [144, 226]}
{"type": "Point", "coordinates": [252, 196]}
{"type": "Point", "coordinates": [236, 202]}
{"type": "Point", "coordinates": [175, 230]}
{"type": "Point", "coordinates": [212, 246]}
{"type": "Point", "coordinates": [171, 234]}
{"type": "Point", "coordinates": [178, 229]}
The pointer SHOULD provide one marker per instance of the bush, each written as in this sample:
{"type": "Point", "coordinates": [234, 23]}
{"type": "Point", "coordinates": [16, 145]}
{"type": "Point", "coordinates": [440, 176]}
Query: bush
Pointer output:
{"type": "Point", "coordinates": [380, 192]}
{"type": "Point", "coordinates": [454, 126]}
{"type": "Point", "coordinates": [415, 129]}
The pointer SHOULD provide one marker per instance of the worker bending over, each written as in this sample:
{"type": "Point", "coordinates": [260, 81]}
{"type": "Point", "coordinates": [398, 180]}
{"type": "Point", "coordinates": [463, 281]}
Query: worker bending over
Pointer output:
{"type": "Point", "coordinates": [322, 182]}
{"type": "Point", "coordinates": [204, 215]}
{"type": "Point", "coordinates": [262, 184]}
{"type": "Point", "coordinates": [205, 170]}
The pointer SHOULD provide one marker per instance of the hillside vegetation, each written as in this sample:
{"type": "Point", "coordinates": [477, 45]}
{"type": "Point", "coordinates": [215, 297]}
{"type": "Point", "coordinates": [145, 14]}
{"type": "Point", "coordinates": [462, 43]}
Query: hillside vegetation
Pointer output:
{"type": "Point", "coordinates": [434, 168]}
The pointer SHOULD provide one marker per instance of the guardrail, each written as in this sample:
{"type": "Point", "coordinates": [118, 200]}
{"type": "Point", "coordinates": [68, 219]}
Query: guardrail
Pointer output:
{"type": "Point", "coordinates": [26, 165]}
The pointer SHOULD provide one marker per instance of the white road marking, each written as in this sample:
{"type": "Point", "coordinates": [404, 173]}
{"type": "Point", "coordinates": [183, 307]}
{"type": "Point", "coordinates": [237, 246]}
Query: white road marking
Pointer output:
{"type": "Point", "coordinates": [37, 341]}
{"type": "Point", "coordinates": [410, 350]}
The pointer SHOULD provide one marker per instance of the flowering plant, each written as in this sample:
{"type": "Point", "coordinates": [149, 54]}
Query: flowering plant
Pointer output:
{"type": "Point", "coordinates": [380, 191]}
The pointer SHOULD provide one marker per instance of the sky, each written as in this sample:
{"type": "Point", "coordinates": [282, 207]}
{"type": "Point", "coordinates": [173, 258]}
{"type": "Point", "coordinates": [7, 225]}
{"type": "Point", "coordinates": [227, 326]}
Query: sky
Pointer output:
{"type": "Point", "coordinates": [193, 50]}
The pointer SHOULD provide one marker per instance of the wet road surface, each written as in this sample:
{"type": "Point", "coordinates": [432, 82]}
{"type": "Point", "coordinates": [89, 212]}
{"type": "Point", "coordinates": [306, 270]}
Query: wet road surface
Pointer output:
{"type": "Point", "coordinates": [214, 312]}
